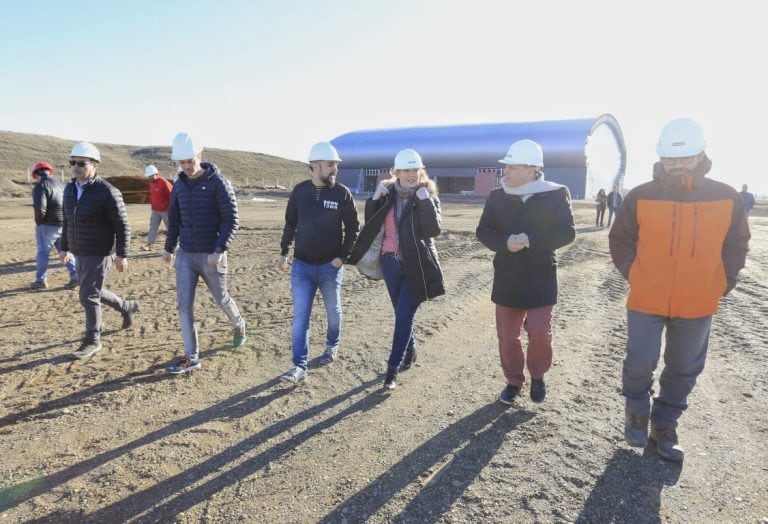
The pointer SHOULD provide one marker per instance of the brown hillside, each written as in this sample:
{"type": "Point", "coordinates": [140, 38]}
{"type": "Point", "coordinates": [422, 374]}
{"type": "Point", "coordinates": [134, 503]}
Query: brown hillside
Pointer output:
{"type": "Point", "coordinates": [20, 151]}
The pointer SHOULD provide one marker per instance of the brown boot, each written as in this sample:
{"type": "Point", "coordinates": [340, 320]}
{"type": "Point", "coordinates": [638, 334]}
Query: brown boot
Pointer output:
{"type": "Point", "coordinates": [666, 443]}
{"type": "Point", "coordinates": [636, 429]}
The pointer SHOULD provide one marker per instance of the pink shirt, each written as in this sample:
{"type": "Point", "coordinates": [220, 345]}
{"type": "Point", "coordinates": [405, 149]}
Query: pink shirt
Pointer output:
{"type": "Point", "coordinates": [389, 243]}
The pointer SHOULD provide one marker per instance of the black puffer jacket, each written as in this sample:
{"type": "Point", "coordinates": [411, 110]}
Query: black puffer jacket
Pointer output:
{"type": "Point", "coordinates": [47, 198]}
{"type": "Point", "coordinates": [419, 223]}
{"type": "Point", "coordinates": [528, 278]}
{"type": "Point", "coordinates": [202, 216]}
{"type": "Point", "coordinates": [97, 224]}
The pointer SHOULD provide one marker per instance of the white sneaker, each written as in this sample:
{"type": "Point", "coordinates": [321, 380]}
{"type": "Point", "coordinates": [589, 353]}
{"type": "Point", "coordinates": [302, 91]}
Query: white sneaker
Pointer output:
{"type": "Point", "coordinates": [295, 375]}
{"type": "Point", "coordinates": [331, 354]}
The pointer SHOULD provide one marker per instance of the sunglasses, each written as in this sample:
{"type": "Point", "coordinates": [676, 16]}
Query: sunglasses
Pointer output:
{"type": "Point", "coordinates": [79, 163]}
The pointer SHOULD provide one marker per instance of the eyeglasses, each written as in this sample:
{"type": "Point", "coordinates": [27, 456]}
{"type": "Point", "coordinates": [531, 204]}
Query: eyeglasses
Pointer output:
{"type": "Point", "coordinates": [686, 161]}
{"type": "Point", "coordinates": [79, 163]}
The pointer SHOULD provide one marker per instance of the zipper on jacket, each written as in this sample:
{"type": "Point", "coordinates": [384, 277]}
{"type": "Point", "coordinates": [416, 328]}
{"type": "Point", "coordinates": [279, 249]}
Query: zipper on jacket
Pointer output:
{"type": "Point", "coordinates": [695, 227]}
{"type": "Point", "coordinates": [418, 255]}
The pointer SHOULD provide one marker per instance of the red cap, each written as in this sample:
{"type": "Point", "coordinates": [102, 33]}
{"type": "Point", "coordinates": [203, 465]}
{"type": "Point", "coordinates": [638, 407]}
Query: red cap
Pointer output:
{"type": "Point", "coordinates": [43, 165]}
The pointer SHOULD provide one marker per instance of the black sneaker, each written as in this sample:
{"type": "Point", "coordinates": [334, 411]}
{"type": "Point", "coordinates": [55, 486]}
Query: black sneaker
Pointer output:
{"type": "Point", "coordinates": [39, 284]}
{"type": "Point", "coordinates": [508, 394]}
{"type": "Point", "coordinates": [130, 313]}
{"type": "Point", "coordinates": [72, 284]}
{"type": "Point", "coordinates": [409, 359]}
{"type": "Point", "coordinates": [87, 349]}
{"type": "Point", "coordinates": [538, 389]}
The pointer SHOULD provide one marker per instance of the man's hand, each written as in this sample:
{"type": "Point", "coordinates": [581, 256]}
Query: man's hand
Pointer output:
{"type": "Point", "coordinates": [381, 190]}
{"type": "Point", "coordinates": [282, 263]}
{"type": "Point", "coordinates": [337, 262]}
{"type": "Point", "coordinates": [64, 257]}
{"type": "Point", "coordinates": [422, 193]}
{"type": "Point", "coordinates": [215, 258]}
{"type": "Point", "coordinates": [167, 257]}
{"type": "Point", "coordinates": [121, 264]}
{"type": "Point", "coordinates": [518, 242]}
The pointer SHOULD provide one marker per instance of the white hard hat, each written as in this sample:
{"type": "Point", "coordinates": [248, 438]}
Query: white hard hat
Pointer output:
{"type": "Point", "coordinates": [680, 137]}
{"type": "Point", "coordinates": [524, 153]}
{"type": "Point", "coordinates": [408, 159]}
{"type": "Point", "coordinates": [150, 170]}
{"type": "Point", "coordinates": [184, 147]}
{"type": "Point", "coordinates": [86, 150]}
{"type": "Point", "coordinates": [324, 151]}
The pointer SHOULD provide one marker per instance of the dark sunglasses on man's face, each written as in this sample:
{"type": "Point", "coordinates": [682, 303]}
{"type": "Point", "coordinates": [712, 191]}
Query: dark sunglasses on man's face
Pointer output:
{"type": "Point", "coordinates": [79, 163]}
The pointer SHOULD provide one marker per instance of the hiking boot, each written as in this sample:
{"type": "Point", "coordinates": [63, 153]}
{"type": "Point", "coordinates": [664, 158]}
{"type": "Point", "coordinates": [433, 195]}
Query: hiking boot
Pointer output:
{"type": "Point", "coordinates": [409, 359]}
{"type": "Point", "coordinates": [295, 375]}
{"type": "Point", "coordinates": [389, 380]}
{"type": "Point", "coordinates": [72, 284]}
{"type": "Point", "coordinates": [132, 307]}
{"type": "Point", "coordinates": [666, 443]}
{"type": "Point", "coordinates": [183, 365]}
{"type": "Point", "coordinates": [330, 354]}
{"type": "Point", "coordinates": [636, 430]}
{"type": "Point", "coordinates": [538, 389]}
{"type": "Point", "coordinates": [238, 337]}
{"type": "Point", "coordinates": [87, 348]}
{"type": "Point", "coordinates": [39, 284]}
{"type": "Point", "coordinates": [508, 394]}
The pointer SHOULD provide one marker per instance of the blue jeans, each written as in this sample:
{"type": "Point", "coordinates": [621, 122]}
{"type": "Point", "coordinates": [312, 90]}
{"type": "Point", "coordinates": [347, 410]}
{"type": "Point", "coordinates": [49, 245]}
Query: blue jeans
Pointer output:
{"type": "Point", "coordinates": [189, 268]}
{"type": "Point", "coordinates": [305, 279]}
{"type": "Point", "coordinates": [46, 237]}
{"type": "Point", "coordinates": [685, 353]}
{"type": "Point", "coordinates": [405, 309]}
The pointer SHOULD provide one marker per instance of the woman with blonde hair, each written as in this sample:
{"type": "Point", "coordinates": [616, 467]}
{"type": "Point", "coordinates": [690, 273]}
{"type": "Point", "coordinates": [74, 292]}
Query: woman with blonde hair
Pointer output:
{"type": "Point", "coordinates": [401, 220]}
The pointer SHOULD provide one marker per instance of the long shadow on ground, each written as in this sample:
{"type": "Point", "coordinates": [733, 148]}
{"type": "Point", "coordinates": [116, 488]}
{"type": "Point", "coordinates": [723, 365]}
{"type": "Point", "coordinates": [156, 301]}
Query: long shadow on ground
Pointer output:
{"type": "Point", "coordinates": [234, 407]}
{"type": "Point", "coordinates": [469, 444]}
{"type": "Point", "coordinates": [629, 489]}
{"type": "Point", "coordinates": [166, 499]}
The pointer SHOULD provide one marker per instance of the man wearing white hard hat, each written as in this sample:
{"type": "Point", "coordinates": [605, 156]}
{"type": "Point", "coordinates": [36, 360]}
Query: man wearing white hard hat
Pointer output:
{"type": "Point", "coordinates": [680, 240]}
{"type": "Point", "coordinates": [524, 221]}
{"type": "Point", "coordinates": [96, 230]}
{"type": "Point", "coordinates": [159, 200]}
{"type": "Point", "coordinates": [203, 221]}
{"type": "Point", "coordinates": [321, 222]}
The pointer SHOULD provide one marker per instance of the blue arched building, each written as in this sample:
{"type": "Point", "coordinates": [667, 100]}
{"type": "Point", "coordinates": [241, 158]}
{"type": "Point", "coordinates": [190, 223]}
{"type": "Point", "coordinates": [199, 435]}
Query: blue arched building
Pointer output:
{"type": "Point", "coordinates": [583, 154]}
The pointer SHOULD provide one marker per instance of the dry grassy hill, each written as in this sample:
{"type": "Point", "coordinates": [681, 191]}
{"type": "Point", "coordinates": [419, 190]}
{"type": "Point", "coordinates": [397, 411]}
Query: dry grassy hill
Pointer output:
{"type": "Point", "coordinates": [20, 151]}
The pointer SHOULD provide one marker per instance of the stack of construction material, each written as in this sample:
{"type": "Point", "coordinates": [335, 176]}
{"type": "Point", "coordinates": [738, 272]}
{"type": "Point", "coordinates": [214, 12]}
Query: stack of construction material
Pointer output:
{"type": "Point", "coordinates": [135, 189]}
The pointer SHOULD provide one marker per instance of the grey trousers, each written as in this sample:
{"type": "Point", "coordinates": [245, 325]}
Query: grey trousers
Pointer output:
{"type": "Point", "coordinates": [92, 273]}
{"type": "Point", "coordinates": [154, 225]}
{"type": "Point", "coordinates": [685, 353]}
{"type": "Point", "coordinates": [190, 267]}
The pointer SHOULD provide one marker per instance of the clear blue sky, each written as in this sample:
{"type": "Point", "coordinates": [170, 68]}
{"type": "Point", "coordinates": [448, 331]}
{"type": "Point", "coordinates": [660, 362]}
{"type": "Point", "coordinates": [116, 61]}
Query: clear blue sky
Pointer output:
{"type": "Point", "coordinates": [275, 77]}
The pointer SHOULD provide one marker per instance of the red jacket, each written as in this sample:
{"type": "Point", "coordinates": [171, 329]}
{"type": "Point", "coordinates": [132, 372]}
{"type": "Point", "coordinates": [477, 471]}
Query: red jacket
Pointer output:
{"type": "Point", "coordinates": [160, 194]}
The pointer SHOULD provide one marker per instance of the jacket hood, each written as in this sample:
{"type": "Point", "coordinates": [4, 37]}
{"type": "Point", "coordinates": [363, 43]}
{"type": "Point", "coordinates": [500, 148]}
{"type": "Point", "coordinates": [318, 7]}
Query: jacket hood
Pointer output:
{"type": "Point", "coordinates": [210, 171]}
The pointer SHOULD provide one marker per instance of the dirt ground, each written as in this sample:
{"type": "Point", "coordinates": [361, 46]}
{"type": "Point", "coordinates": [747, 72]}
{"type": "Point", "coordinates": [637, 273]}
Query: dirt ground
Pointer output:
{"type": "Point", "coordinates": [114, 439]}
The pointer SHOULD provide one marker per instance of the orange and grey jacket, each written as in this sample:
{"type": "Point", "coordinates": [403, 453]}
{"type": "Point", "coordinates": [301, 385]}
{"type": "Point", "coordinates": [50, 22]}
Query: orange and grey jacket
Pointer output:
{"type": "Point", "coordinates": [680, 242]}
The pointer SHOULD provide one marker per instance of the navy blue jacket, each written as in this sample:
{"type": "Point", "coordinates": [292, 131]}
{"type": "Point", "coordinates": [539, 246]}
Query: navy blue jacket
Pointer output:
{"type": "Point", "coordinates": [96, 224]}
{"type": "Point", "coordinates": [47, 197]}
{"type": "Point", "coordinates": [528, 278]}
{"type": "Point", "coordinates": [202, 216]}
{"type": "Point", "coordinates": [316, 224]}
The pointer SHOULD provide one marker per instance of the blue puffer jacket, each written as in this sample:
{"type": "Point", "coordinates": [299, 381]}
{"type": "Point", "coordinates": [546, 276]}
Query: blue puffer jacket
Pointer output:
{"type": "Point", "coordinates": [202, 216]}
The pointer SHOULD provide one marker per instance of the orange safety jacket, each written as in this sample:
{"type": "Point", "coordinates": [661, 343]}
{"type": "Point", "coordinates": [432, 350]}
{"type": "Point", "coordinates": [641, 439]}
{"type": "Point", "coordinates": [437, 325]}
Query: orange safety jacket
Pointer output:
{"type": "Point", "coordinates": [680, 242]}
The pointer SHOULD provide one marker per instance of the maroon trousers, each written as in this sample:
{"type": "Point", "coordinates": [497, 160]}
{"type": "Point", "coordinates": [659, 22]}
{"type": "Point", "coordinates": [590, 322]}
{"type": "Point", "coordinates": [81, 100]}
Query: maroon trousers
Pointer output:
{"type": "Point", "coordinates": [538, 325]}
